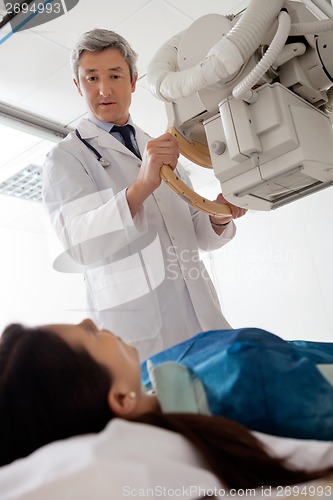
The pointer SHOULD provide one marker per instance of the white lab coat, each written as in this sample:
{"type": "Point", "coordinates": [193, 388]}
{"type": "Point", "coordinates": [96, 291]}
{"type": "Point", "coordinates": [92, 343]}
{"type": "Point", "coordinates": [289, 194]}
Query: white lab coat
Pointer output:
{"type": "Point", "coordinates": [144, 278]}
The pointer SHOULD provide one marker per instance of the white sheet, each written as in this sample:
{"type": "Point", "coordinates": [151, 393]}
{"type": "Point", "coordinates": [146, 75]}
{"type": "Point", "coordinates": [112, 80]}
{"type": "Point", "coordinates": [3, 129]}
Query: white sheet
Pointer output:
{"type": "Point", "coordinates": [131, 460]}
{"type": "Point", "coordinates": [126, 460]}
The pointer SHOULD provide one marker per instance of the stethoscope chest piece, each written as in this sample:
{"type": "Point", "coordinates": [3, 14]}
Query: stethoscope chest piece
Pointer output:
{"type": "Point", "coordinates": [103, 161]}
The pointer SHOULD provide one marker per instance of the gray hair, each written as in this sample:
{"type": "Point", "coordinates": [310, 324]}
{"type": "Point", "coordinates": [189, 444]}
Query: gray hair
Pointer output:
{"type": "Point", "coordinates": [97, 40]}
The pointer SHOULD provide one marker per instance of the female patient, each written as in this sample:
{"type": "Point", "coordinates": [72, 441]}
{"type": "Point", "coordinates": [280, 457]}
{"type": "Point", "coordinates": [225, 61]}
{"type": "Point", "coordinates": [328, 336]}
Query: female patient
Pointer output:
{"type": "Point", "coordinates": [58, 381]}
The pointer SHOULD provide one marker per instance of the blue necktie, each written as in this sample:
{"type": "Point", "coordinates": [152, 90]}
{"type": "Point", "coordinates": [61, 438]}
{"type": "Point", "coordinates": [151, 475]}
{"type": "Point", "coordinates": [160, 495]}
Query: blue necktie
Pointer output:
{"type": "Point", "coordinates": [125, 132]}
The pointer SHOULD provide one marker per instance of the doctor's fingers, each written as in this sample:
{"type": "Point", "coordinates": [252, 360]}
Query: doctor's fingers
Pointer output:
{"type": "Point", "coordinates": [239, 212]}
{"type": "Point", "coordinates": [162, 153]}
{"type": "Point", "coordinates": [166, 137]}
{"type": "Point", "coordinates": [165, 141]}
{"type": "Point", "coordinates": [236, 212]}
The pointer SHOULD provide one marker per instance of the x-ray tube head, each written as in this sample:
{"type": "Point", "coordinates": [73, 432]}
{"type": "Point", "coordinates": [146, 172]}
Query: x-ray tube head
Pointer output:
{"type": "Point", "coordinates": [276, 146]}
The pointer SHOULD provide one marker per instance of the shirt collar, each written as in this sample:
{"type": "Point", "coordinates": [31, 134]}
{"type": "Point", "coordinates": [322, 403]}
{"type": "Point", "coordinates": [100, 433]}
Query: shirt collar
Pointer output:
{"type": "Point", "coordinates": [106, 125]}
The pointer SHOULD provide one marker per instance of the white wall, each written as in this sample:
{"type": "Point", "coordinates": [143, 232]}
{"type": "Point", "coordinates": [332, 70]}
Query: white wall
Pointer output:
{"type": "Point", "coordinates": [277, 273]}
{"type": "Point", "coordinates": [31, 292]}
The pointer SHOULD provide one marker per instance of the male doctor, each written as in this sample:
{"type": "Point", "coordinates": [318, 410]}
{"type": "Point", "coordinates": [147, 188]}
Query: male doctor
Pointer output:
{"type": "Point", "coordinates": [136, 240]}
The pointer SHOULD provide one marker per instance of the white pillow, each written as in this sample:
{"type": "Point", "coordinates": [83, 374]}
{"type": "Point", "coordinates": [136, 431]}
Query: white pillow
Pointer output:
{"type": "Point", "coordinates": [124, 460]}
{"type": "Point", "coordinates": [305, 454]}
{"type": "Point", "coordinates": [132, 460]}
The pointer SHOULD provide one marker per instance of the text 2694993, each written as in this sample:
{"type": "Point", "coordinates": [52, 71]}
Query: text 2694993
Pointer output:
{"type": "Point", "coordinates": [33, 8]}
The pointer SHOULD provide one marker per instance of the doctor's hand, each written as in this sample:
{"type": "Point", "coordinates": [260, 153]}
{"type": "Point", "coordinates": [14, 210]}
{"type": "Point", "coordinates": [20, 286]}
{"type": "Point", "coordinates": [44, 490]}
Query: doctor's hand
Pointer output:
{"type": "Point", "coordinates": [236, 212]}
{"type": "Point", "coordinates": [163, 149]}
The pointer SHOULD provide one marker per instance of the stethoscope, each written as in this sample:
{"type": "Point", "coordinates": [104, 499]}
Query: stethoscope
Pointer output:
{"type": "Point", "coordinates": [103, 161]}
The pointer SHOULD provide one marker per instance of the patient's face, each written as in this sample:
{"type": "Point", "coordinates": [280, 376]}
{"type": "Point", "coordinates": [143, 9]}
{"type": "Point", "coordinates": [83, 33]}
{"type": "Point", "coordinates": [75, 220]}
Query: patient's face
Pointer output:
{"type": "Point", "coordinates": [121, 359]}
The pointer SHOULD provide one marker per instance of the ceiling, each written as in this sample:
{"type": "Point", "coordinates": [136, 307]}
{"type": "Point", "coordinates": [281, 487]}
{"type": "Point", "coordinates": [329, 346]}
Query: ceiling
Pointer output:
{"type": "Point", "coordinates": [35, 70]}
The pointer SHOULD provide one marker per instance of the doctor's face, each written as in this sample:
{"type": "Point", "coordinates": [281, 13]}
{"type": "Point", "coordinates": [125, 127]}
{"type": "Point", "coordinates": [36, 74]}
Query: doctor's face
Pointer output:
{"type": "Point", "coordinates": [120, 359]}
{"type": "Point", "coordinates": [105, 84]}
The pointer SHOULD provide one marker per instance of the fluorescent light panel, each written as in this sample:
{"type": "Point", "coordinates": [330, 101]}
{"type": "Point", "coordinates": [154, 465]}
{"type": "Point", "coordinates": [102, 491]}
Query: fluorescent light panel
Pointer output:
{"type": "Point", "coordinates": [25, 184]}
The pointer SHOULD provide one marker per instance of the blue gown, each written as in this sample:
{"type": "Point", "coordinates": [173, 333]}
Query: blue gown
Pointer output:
{"type": "Point", "coordinates": [260, 380]}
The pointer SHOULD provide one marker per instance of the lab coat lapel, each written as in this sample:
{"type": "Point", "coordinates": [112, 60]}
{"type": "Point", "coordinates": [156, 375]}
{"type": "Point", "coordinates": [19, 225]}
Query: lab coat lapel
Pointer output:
{"type": "Point", "coordinates": [106, 140]}
{"type": "Point", "coordinates": [89, 130]}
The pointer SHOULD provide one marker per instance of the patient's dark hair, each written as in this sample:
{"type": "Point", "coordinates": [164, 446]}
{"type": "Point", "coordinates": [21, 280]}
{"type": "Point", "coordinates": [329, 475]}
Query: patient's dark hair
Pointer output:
{"type": "Point", "coordinates": [231, 451]}
{"type": "Point", "coordinates": [51, 391]}
{"type": "Point", "coordinates": [48, 391]}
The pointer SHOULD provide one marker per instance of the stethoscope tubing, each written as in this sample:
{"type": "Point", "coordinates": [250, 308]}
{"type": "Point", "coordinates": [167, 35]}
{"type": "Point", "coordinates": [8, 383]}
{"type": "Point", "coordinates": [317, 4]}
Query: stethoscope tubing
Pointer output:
{"type": "Point", "coordinates": [103, 161]}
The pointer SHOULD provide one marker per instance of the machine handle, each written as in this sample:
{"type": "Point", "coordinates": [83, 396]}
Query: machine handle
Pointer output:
{"type": "Point", "coordinates": [191, 197]}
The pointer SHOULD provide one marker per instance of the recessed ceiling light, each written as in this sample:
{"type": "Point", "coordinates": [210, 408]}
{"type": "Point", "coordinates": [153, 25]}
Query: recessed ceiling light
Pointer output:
{"type": "Point", "coordinates": [25, 184]}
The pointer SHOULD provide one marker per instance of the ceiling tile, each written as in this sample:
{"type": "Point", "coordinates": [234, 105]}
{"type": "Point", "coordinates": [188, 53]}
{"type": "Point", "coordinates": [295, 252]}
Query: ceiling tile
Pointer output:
{"type": "Point", "coordinates": [150, 27]}
{"type": "Point", "coordinates": [26, 61]}
{"type": "Point", "coordinates": [86, 16]}
{"type": "Point", "coordinates": [57, 97]}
